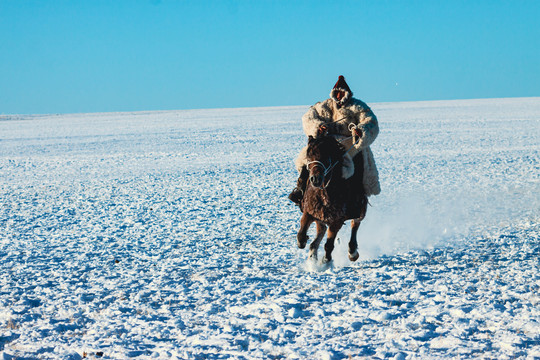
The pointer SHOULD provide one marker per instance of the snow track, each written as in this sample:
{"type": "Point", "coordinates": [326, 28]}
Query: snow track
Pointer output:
{"type": "Point", "coordinates": [169, 235]}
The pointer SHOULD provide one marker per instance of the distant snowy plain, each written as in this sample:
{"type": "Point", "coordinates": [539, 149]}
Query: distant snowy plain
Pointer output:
{"type": "Point", "coordinates": [169, 235]}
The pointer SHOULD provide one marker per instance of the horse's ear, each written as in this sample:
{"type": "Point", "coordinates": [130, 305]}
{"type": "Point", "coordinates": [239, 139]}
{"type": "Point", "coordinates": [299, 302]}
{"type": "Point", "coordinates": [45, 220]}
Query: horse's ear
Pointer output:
{"type": "Point", "coordinates": [310, 138]}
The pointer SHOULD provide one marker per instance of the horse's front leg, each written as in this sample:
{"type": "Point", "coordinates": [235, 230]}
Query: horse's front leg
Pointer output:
{"type": "Point", "coordinates": [353, 244]}
{"type": "Point", "coordinates": [330, 237]}
{"type": "Point", "coordinates": [314, 247]}
{"type": "Point", "coordinates": [302, 237]}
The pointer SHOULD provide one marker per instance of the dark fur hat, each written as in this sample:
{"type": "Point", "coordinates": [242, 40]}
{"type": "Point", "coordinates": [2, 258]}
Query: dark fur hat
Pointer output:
{"type": "Point", "coordinates": [341, 86]}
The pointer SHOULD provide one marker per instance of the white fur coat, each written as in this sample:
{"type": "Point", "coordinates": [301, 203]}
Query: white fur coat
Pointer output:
{"type": "Point", "coordinates": [353, 112]}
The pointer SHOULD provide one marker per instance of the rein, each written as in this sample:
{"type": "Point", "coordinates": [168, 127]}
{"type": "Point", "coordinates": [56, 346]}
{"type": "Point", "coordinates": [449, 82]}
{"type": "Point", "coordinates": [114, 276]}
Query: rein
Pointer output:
{"type": "Point", "coordinates": [351, 128]}
{"type": "Point", "coordinates": [350, 148]}
{"type": "Point", "coordinates": [363, 111]}
{"type": "Point", "coordinates": [332, 121]}
{"type": "Point", "coordinates": [328, 170]}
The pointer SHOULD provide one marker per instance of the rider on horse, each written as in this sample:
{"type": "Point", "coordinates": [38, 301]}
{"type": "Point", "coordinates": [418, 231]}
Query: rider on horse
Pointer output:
{"type": "Point", "coordinates": [353, 123]}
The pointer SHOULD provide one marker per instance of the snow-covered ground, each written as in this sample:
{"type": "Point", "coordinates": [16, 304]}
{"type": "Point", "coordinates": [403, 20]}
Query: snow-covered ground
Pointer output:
{"type": "Point", "coordinates": [170, 235]}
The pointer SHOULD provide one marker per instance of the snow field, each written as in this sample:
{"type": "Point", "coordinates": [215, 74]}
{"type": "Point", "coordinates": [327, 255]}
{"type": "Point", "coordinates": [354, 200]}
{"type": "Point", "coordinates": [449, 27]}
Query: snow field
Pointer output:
{"type": "Point", "coordinates": [169, 235]}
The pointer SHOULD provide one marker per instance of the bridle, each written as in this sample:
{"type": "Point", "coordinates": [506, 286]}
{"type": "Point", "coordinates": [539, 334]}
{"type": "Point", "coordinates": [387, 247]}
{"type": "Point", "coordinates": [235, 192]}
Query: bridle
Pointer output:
{"type": "Point", "coordinates": [326, 170]}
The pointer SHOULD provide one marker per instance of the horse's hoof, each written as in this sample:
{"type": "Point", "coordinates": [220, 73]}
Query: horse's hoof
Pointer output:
{"type": "Point", "coordinates": [302, 242]}
{"type": "Point", "coordinates": [313, 255]}
{"type": "Point", "coordinates": [327, 264]}
{"type": "Point", "coordinates": [354, 257]}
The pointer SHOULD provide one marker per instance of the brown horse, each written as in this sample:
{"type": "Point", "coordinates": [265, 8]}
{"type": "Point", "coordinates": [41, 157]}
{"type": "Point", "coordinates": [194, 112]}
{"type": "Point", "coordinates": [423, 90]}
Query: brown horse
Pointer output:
{"type": "Point", "coordinates": [329, 199]}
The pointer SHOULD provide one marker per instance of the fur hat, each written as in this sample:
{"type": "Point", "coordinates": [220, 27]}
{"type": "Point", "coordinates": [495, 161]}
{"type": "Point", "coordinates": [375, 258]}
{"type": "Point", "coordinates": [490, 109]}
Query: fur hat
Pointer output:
{"type": "Point", "coordinates": [342, 86]}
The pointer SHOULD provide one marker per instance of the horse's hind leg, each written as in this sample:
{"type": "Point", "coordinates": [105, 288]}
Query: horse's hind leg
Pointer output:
{"type": "Point", "coordinates": [302, 237]}
{"type": "Point", "coordinates": [314, 246]}
{"type": "Point", "coordinates": [353, 244]}
{"type": "Point", "coordinates": [355, 224]}
{"type": "Point", "coordinates": [330, 238]}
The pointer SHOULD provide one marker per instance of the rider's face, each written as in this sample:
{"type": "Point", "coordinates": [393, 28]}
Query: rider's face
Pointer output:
{"type": "Point", "coordinates": [340, 95]}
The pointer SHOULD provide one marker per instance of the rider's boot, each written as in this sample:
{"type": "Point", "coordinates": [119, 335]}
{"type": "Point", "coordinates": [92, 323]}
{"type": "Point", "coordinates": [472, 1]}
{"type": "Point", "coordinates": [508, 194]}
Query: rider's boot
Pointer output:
{"type": "Point", "coordinates": [297, 194]}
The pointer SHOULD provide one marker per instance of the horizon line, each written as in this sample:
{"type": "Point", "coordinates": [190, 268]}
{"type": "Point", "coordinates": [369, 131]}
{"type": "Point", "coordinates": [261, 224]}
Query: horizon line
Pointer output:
{"type": "Point", "coordinates": [253, 107]}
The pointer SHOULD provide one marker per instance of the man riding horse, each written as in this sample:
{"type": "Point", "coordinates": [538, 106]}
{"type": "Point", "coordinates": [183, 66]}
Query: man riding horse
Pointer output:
{"type": "Point", "coordinates": [352, 123]}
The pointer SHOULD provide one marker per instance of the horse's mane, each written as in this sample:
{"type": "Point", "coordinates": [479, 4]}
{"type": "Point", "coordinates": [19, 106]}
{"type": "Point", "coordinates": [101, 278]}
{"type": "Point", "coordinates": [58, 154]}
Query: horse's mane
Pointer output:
{"type": "Point", "coordinates": [325, 144]}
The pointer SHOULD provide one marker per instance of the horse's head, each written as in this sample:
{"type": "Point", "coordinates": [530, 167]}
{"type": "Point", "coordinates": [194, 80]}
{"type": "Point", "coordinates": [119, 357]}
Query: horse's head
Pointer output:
{"type": "Point", "coordinates": [325, 156]}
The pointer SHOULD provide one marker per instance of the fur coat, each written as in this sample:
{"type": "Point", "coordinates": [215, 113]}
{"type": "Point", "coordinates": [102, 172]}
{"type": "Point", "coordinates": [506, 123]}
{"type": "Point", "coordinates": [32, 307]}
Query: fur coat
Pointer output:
{"type": "Point", "coordinates": [338, 119]}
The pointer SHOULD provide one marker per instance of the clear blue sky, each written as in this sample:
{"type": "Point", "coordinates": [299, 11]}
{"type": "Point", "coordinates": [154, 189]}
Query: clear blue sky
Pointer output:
{"type": "Point", "coordinates": [93, 56]}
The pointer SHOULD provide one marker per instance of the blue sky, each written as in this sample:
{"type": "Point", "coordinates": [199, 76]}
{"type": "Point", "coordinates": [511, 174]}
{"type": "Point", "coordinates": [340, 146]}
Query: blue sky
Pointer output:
{"type": "Point", "coordinates": [93, 56]}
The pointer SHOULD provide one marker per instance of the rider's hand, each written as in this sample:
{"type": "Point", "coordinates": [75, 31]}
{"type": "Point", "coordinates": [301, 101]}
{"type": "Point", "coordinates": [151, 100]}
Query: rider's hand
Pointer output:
{"type": "Point", "coordinates": [328, 128]}
{"type": "Point", "coordinates": [323, 129]}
